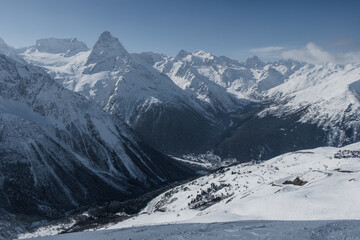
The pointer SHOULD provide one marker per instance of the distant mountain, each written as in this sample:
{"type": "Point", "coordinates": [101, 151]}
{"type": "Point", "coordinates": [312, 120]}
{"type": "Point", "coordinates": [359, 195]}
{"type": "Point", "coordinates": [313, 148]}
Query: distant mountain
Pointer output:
{"type": "Point", "coordinates": [254, 62]}
{"type": "Point", "coordinates": [59, 151]}
{"type": "Point", "coordinates": [68, 47]}
{"type": "Point", "coordinates": [327, 95]}
{"type": "Point", "coordinates": [248, 80]}
{"type": "Point", "coordinates": [108, 54]}
{"type": "Point", "coordinates": [183, 71]}
{"type": "Point", "coordinates": [297, 105]}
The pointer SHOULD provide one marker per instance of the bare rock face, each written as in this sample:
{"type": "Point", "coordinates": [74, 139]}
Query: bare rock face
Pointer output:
{"type": "Point", "coordinates": [108, 54]}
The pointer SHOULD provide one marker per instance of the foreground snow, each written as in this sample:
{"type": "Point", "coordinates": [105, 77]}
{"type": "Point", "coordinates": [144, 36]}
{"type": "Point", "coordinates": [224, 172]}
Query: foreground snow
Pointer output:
{"type": "Point", "coordinates": [232, 230]}
{"type": "Point", "coordinates": [327, 190]}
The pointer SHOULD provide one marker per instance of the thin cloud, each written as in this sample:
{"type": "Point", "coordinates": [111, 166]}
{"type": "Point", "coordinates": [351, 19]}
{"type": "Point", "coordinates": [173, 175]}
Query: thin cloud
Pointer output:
{"type": "Point", "coordinates": [312, 53]}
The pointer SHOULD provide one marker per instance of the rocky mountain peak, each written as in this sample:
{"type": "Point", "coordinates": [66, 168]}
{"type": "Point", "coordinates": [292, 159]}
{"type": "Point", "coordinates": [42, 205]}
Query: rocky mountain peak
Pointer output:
{"type": "Point", "coordinates": [254, 62]}
{"type": "Point", "coordinates": [108, 54]}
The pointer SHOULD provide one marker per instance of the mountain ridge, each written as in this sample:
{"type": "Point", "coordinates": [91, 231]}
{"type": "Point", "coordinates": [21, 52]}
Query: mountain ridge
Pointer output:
{"type": "Point", "coordinates": [214, 91]}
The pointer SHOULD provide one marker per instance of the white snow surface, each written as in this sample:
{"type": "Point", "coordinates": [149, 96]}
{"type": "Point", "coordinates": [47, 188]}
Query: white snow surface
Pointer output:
{"type": "Point", "coordinates": [257, 192]}
{"type": "Point", "coordinates": [246, 230]}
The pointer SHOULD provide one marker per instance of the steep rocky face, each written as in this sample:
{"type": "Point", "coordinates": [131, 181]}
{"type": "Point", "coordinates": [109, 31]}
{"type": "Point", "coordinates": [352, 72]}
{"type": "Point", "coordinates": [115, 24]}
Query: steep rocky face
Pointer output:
{"type": "Point", "coordinates": [59, 151]}
{"type": "Point", "coordinates": [254, 62]}
{"type": "Point", "coordinates": [108, 54]}
{"type": "Point", "coordinates": [69, 47]}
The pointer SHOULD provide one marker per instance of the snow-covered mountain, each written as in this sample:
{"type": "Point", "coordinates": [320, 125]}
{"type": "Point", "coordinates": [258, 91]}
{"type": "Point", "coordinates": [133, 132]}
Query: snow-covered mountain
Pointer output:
{"type": "Point", "coordinates": [198, 102]}
{"type": "Point", "coordinates": [248, 80]}
{"type": "Point", "coordinates": [68, 47]}
{"type": "Point", "coordinates": [317, 105]}
{"type": "Point", "coordinates": [299, 105]}
{"type": "Point", "coordinates": [108, 54]}
{"type": "Point", "coordinates": [180, 70]}
{"type": "Point", "coordinates": [149, 101]}
{"type": "Point", "coordinates": [59, 151]}
{"type": "Point", "coordinates": [327, 95]}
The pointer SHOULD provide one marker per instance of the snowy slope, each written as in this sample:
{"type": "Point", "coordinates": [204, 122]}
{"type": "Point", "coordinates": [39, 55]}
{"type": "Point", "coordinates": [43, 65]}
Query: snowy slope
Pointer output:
{"type": "Point", "coordinates": [59, 151]}
{"type": "Point", "coordinates": [326, 189]}
{"type": "Point", "coordinates": [244, 230]}
{"type": "Point", "coordinates": [328, 94]}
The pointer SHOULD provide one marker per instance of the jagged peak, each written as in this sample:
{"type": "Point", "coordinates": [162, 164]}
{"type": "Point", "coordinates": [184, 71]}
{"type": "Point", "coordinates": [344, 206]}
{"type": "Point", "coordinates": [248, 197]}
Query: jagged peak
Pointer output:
{"type": "Point", "coordinates": [181, 54]}
{"type": "Point", "coordinates": [202, 54]}
{"type": "Point", "coordinates": [110, 44]}
{"type": "Point", "coordinates": [108, 54]}
{"type": "Point", "coordinates": [106, 35]}
{"type": "Point", "coordinates": [107, 45]}
{"type": "Point", "coordinates": [254, 62]}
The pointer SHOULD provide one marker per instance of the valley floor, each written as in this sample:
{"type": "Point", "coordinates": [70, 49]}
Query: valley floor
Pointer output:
{"type": "Point", "coordinates": [248, 230]}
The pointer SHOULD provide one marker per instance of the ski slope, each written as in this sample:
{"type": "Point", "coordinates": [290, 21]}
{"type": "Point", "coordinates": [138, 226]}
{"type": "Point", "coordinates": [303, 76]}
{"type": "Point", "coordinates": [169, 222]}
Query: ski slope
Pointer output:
{"type": "Point", "coordinates": [246, 230]}
{"type": "Point", "coordinates": [328, 190]}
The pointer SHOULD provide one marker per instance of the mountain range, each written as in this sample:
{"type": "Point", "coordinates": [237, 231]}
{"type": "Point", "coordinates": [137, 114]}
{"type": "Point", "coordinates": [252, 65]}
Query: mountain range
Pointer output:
{"type": "Point", "coordinates": [235, 107]}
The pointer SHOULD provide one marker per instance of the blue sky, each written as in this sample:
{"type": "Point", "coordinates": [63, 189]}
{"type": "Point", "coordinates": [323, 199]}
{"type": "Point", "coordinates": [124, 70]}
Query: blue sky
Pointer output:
{"type": "Point", "coordinates": [233, 28]}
